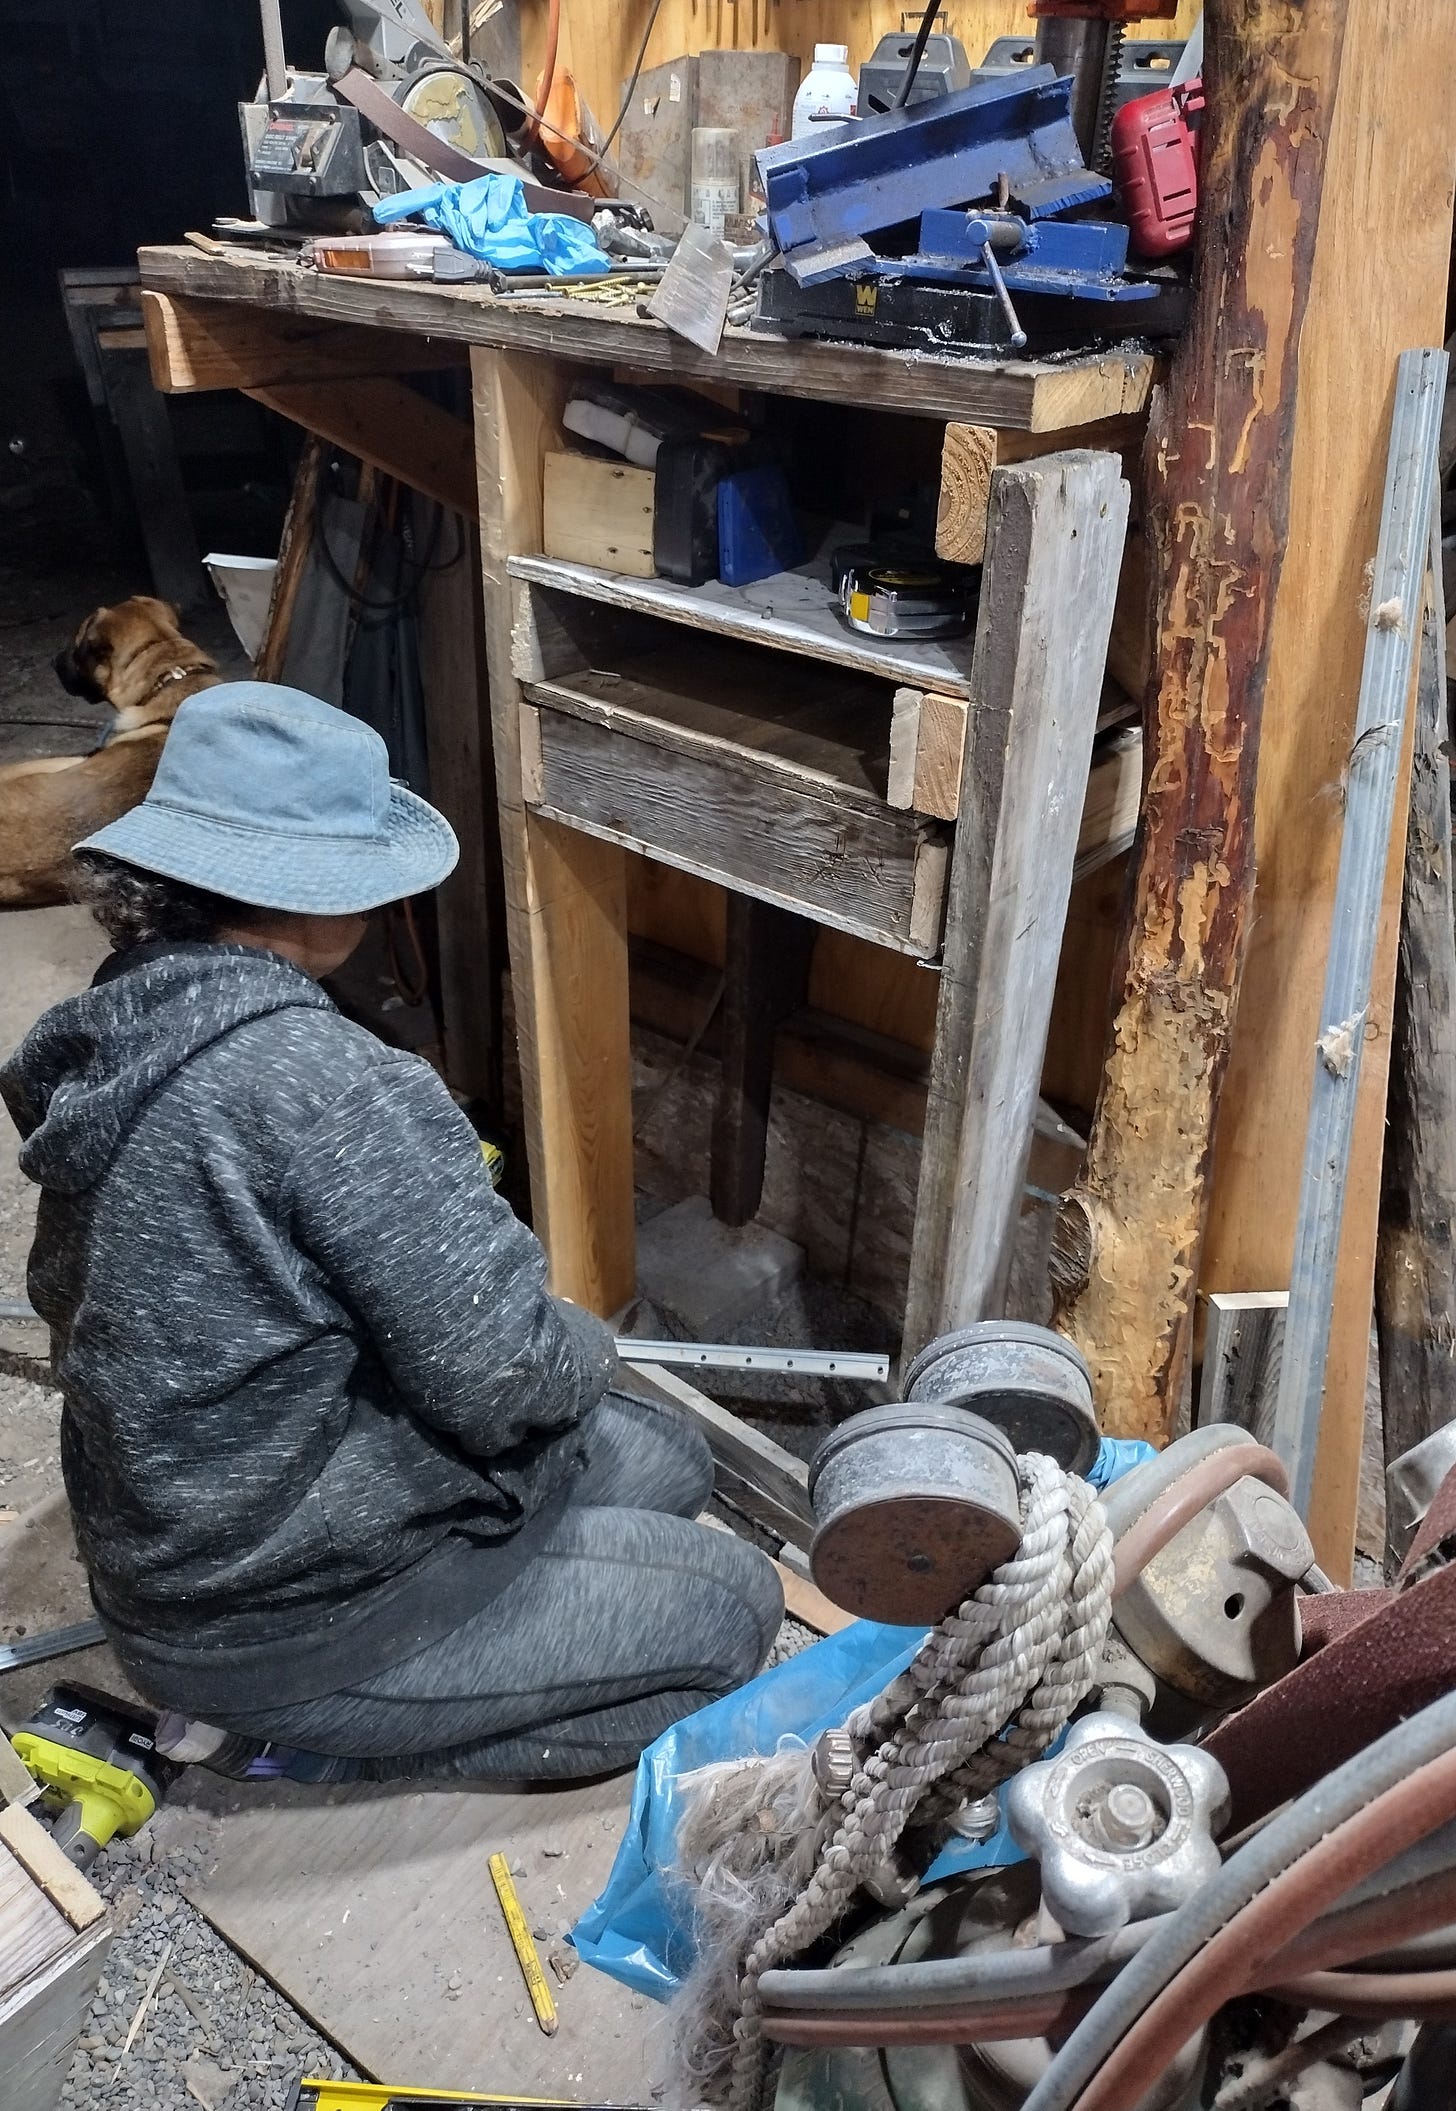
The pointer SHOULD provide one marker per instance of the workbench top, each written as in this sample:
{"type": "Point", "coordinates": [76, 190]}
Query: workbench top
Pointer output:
{"type": "Point", "coordinates": [1016, 394]}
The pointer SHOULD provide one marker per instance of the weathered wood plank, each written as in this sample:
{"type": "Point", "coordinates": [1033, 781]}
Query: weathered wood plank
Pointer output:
{"type": "Point", "coordinates": [1015, 393]}
{"type": "Point", "coordinates": [566, 898]}
{"type": "Point", "coordinates": [811, 846]}
{"type": "Point", "coordinates": [1242, 1344]}
{"type": "Point", "coordinates": [792, 612]}
{"type": "Point", "coordinates": [388, 425]}
{"type": "Point", "coordinates": [1057, 529]}
{"type": "Point", "coordinates": [736, 1445]}
{"type": "Point", "coordinates": [195, 345]}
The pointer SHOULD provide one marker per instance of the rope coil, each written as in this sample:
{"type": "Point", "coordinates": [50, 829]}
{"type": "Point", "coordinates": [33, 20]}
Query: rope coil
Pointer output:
{"type": "Point", "coordinates": [776, 1863]}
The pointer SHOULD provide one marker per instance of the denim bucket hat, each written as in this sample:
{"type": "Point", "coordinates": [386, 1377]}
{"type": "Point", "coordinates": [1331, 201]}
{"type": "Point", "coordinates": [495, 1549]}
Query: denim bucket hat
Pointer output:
{"type": "Point", "coordinates": [269, 797]}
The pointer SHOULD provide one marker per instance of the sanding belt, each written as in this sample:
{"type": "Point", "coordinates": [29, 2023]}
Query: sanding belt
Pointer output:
{"type": "Point", "coordinates": [384, 113]}
{"type": "Point", "coordinates": [1371, 1658]}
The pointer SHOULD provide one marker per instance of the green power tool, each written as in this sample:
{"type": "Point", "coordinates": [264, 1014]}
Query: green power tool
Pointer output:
{"type": "Point", "coordinates": [98, 1766]}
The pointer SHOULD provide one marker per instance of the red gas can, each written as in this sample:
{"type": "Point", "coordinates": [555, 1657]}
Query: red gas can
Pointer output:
{"type": "Point", "coordinates": [1155, 167]}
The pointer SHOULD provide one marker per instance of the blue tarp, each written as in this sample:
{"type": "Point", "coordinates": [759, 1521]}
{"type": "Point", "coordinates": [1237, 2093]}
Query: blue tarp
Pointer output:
{"type": "Point", "coordinates": [639, 1930]}
{"type": "Point", "coordinates": [487, 218]}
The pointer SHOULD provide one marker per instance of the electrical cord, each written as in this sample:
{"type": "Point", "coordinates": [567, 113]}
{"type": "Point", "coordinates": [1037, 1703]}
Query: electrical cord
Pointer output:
{"type": "Point", "coordinates": [1280, 1845]}
{"type": "Point", "coordinates": [631, 89]}
{"type": "Point", "coordinates": [1353, 1839]}
{"type": "Point", "coordinates": [917, 53]}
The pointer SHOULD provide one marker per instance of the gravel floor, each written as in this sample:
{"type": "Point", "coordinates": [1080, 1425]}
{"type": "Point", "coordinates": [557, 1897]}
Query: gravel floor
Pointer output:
{"type": "Point", "coordinates": [213, 2033]}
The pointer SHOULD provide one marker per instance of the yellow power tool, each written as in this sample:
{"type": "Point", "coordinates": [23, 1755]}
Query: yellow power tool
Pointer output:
{"type": "Point", "coordinates": [98, 1766]}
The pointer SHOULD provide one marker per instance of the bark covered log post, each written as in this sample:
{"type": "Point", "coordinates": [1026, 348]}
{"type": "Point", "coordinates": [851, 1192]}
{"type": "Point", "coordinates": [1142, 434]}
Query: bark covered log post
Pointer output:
{"type": "Point", "coordinates": [1218, 470]}
{"type": "Point", "coordinates": [1415, 1266]}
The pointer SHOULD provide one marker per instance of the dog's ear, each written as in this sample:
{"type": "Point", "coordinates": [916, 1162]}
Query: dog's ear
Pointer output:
{"type": "Point", "coordinates": [83, 668]}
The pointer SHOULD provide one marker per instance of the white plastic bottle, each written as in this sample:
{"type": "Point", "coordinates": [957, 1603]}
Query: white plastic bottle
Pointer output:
{"type": "Point", "coordinates": [827, 92]}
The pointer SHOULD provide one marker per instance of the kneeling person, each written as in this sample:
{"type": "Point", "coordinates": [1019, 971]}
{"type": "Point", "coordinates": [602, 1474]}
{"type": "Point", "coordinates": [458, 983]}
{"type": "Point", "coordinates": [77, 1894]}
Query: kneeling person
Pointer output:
{"type": "Point", "coordinates": [345, 1477]}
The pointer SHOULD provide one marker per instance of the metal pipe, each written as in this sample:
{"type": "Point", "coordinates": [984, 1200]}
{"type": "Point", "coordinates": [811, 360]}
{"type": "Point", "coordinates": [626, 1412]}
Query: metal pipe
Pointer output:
{"type": "Point", "coordinates": [1392, 638]}
{"type": "Point", "coordinates": [275, 66]}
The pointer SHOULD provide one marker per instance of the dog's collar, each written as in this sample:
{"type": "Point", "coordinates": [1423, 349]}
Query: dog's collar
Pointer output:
{"type": "Point", "coordinates": [173, 674]}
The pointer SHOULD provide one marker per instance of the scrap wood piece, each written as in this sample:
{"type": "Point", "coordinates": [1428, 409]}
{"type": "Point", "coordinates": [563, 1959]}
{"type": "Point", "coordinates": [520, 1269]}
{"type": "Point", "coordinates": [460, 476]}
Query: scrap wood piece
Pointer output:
{"type": "Point", "coordinates": [1057, 530]}
{"type": "Point", "coordinates": [298, 533]}
{"type": "Point", "coordinates": [1217, 516]}
{"type": "Point", "coordinates": [968, 456]}
{"type": "Point", "coordinates": [927, 751]}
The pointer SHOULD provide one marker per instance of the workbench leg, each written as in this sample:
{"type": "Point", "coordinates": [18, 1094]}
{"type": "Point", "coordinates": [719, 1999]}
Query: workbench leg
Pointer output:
{"type": "Point", "coordinates": [462, 785]}
{"type": "Point", "coordinates": [1057, 528]}
{"type": "Point", "coordinates": [566, 894]}
{"type": "Point", "coordinates": [765, 977]}
{"type": "Point", "coordinates": [163, 514]}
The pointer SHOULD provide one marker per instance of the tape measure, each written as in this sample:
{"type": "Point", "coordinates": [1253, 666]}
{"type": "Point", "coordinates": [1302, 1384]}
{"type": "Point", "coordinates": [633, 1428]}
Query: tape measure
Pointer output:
{"type": "Point", "coordinates": [899, 598]}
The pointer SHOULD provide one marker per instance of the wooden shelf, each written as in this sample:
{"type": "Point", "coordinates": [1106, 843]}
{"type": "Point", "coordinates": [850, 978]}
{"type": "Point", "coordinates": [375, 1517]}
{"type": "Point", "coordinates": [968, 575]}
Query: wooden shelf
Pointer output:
{"type": "Point", "coordinates": [785, 802]}
{"type": "Point", "coordinates": [1017, 394]}
{"type": "Point", "coordinates": [792, 612]}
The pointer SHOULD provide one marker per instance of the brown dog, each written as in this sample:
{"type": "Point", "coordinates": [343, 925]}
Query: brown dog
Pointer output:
{"type": "Point", "coordinates": [135, 658]}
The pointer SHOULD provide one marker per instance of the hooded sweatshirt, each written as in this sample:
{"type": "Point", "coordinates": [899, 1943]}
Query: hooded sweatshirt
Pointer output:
{"type": "Point", "coordinates": [318, 1406]}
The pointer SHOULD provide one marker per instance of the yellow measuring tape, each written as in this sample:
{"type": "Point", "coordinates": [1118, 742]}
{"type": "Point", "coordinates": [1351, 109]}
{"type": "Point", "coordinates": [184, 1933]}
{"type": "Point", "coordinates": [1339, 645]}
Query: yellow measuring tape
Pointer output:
{"type": "Point", "coordinates": [316, 2095]}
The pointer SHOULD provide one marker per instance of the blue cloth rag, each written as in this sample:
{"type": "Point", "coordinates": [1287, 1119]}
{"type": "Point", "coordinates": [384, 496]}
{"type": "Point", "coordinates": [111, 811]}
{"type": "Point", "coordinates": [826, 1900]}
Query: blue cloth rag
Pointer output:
{"type": "Point", "coordinates": [487, 218]}
{"type": "Point", "coordinates": [640, 1929]}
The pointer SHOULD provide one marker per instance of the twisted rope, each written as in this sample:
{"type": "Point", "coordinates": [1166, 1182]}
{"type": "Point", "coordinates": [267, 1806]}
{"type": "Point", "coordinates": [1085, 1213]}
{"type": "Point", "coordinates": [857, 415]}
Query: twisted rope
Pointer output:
{"type": "Point", "coordinates": [990, 1689]}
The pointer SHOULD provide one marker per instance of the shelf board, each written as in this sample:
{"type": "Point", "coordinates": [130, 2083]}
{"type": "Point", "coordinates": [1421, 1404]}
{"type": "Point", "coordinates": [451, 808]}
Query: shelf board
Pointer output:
{"type": "Point", "coordinates": [822, 726]}
{"type": "Point", "coordinates": [660, 755]}
{"type": "Point", "coordinates": [791, 612]}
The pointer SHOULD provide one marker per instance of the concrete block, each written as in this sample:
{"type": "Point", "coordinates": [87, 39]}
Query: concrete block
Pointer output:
{"type": "Point", "coordinates": [707, 1278]}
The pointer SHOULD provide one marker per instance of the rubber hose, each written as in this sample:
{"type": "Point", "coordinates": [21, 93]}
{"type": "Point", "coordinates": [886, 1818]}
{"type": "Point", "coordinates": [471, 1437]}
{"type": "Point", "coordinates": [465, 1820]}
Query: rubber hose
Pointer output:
{"type": "Point", "coordinates": [1350, 1934]}
{"type": "Point", "coordinates": [1376, 1996]}
{"type": "Point", "coordinates": [1350, 1848]}
{"type": "Point", "coordinates": [1420, 1912]}
{"type": "Point", "coordinates": [933, 1982]}
{"type": "Point", "coordinates": [1193, 1491]}
{"type": "Point", "coordinates": [1275, 1848]}
{"type": "Point", "coordinates": [1428, 2077]}
{"type": "Point", "coordinates": [983, 2025]}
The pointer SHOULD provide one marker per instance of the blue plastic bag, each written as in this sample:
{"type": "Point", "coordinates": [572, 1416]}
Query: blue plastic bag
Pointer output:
{"type": "Point", "coordinates": [487, 218]}
{"type": "Point", "coordinates": [640, 1930]}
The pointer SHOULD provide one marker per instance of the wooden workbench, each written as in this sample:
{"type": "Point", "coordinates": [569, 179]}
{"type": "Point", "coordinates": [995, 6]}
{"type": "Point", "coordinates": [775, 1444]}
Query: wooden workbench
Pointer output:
{"type": "Point", "coordinates": [738, 736]}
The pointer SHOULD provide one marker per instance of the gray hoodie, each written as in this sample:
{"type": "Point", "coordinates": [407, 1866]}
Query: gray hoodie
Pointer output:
{"type": "Point", "coordinates": [319, 1407]}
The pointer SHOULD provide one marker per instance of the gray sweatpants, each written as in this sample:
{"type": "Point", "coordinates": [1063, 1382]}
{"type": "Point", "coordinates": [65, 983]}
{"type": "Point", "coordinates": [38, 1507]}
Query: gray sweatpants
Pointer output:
{"type": "Point", "coordinates": [631, 1617]}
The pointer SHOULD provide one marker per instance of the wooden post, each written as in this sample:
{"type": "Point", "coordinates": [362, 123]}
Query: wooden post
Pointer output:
{"type": "Point", "coordinates": [1217, 471]}
{"type": "Point", "coordinates": [1415, 1262]}
{"type": "Point", "coordinates": [765, 975]}
{"type": "Point", "coordinates": [566, 894]}
{"type": "Point", "coordinates": [1056, 534]}
{"type": "Point", "coordinates": [1391, 156]}
{"type": "Point", "coordinates": [462, 784]}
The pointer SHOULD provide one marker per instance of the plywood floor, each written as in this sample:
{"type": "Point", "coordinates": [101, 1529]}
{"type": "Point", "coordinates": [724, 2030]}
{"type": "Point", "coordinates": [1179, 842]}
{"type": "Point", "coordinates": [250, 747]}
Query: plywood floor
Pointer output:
{"type": "Point", "coordinates": [372, 1910]}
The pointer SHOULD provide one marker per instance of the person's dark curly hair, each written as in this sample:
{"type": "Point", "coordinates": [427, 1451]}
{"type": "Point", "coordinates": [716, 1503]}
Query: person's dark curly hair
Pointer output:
{"type": "Point", "coordinates": [136, 908]}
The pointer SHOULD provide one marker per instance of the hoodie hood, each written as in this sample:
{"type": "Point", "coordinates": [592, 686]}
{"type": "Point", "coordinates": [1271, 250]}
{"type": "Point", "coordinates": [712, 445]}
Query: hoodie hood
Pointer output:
{"type": "Point", "coordinates": [83, 1073]}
